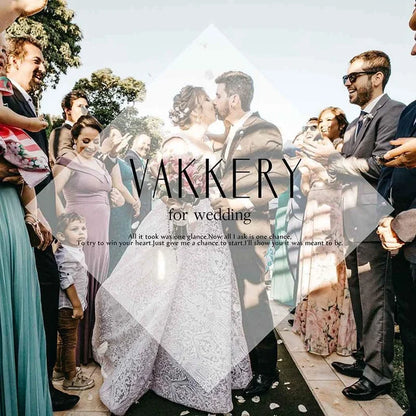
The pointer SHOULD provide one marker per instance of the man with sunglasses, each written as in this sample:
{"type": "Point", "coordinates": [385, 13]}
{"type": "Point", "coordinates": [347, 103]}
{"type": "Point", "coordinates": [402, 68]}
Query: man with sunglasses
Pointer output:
{"type": "Point", "coordinates": [370, 283]}
{"type": "Point", "coordinates": [310, 129]}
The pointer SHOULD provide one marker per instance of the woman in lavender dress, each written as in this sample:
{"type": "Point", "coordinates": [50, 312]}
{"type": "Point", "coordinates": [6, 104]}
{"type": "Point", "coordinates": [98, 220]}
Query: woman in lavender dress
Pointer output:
{"type": "Point", "coordinates": [86, 184]}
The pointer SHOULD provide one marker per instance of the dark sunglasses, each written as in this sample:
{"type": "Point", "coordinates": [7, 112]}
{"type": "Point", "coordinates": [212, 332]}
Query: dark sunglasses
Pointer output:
{"type": "Point", "coordinates": [354, 75]}
{"type": "Point", "coordinates": [311, 128]}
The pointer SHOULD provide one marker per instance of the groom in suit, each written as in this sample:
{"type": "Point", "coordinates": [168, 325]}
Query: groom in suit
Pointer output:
{"type": "Point", "coordinates": [26, 71]}
{"type": "Point", "coordinates": [249, 139]}
{"type": "Point", "coordinates": [370, 280]}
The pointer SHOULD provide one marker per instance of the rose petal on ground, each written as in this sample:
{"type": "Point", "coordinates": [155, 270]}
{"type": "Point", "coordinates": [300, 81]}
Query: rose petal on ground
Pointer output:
{"type": "Point", "coordinates": [245, 413]}
{"type": "Point", "coordinates": [287, 383]}
{"type": "Point", "coordinates": [274, 406]}
{"type": "Point", "coordinates": [302, 408]}
{"type": "Point", "coordinates": [279, 341]}
{"type": "Point", "coordinates": [275, 384]}
{"type": "Point", "coordinates": [185, 412]}
{"type": "Point", "coordinates": [255, 399]}
{"type": "Point", "coordinates": [239, 397]}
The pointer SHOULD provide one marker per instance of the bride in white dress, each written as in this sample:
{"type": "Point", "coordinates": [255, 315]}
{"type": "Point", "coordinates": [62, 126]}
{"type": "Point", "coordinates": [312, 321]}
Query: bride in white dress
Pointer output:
{"type": "Point", "coordinates": [168, 319]}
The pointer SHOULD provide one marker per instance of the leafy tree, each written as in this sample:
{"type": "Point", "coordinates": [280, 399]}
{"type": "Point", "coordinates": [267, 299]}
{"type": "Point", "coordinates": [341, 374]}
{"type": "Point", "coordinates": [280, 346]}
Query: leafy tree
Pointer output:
{"type": "Point", "coordinates": [111, 100]}
{"type": "Point", "coordinates": [58, 35]}
{"type": "Point", "coordinates": [108, 94]}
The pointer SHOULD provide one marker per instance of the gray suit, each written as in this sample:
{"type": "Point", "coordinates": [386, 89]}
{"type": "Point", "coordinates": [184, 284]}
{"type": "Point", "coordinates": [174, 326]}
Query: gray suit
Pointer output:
{"type": "Point", "coordinates": [368, 265]}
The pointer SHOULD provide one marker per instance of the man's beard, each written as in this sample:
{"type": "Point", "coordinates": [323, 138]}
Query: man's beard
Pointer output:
{"type": "Point", "coordinates": [34, 85]}
{"type": "Point", "coordinates": [223, 115]}
{"type": "Point", "coordinates": [364, 95]}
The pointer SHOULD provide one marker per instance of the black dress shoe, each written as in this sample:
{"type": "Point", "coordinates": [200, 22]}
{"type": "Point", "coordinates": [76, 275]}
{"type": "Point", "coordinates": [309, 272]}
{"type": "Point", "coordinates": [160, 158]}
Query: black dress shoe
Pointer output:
{"type": "Point", "coordinates": [350, 370]}
{"type": "Point", "coordinates": [259, 384]}
{"type": "Point", "coordinates": [62, 401]}
{"type": "Point", "coordinates": [364, 389]}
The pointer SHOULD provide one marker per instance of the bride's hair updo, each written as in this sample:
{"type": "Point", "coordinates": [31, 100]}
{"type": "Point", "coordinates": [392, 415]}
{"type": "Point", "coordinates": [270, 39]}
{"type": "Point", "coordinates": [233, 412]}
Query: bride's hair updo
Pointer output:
{"type": "Point", "coordinates": [188, 99]}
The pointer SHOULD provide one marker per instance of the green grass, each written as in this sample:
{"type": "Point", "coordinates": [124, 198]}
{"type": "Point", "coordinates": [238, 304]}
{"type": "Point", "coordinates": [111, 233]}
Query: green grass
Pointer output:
{"type": "Point", "coordinates": [398, 392]}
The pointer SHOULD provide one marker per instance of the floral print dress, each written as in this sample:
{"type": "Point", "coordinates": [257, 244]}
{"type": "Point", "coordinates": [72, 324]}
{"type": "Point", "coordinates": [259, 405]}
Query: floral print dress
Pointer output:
{"type": "Point", "coordinates": [19, 149]}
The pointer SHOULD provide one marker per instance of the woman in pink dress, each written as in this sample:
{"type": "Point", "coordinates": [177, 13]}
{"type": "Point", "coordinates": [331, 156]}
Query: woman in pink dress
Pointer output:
{"type": "Point", "coordinates": [324, 315]}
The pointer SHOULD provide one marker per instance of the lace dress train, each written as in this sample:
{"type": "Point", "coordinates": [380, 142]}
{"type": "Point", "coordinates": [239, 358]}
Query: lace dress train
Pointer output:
{"type": "Point", "coordinates": [169, 319]}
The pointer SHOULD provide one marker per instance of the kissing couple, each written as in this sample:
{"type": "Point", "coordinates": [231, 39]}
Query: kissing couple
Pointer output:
{"type": "Point", "coordinates": [193, 322]}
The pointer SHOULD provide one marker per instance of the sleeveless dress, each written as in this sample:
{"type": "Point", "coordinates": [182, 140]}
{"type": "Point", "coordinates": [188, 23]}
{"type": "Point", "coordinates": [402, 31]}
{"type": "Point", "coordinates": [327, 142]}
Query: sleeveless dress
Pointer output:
{"type": "Point", "coordinates": [324, 315]}
{"type": "Point", "coordinates": [283, 283]}
{"type": "Point", "coordinates": [24, 388]}
{"type": "Point", "coordinates": [121, 219]}
{"type": "Point", "coordinates": [168, 319]}
{"type": "Point", "coordinates": [86, 193]}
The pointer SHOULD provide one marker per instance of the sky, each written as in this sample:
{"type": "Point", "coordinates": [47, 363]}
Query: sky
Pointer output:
{"type": "Point", "coordinates": [301, 47]}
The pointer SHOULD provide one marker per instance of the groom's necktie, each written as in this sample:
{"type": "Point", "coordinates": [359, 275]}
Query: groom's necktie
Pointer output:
{"type": "Point", "coordinates": [360, 123]}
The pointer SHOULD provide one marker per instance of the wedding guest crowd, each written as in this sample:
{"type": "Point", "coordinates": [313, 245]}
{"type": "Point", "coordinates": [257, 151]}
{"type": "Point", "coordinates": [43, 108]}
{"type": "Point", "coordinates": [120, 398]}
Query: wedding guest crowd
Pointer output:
{"type": "Point", "coordinates": [342, 305]}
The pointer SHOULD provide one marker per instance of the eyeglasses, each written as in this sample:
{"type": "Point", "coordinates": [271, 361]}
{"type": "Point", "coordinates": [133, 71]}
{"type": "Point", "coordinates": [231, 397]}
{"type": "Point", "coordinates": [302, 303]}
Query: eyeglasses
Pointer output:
{"type": "Point", "coordinates": [354, 75]}
{"type": "Point", "coordinates": [311, 128]}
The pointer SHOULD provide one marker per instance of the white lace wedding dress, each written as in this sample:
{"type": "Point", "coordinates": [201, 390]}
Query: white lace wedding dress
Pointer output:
{"type": "Point", "coordinates": [169, 319]}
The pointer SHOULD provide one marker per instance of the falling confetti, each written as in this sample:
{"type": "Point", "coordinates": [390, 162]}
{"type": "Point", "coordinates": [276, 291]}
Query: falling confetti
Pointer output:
{"type": "Point", "coordinates": [274, 406]}
{"type": "Point", "coordinates": [302, 408]}
{"type": "Point", "coordinates": [185, 412]}
{"type": "Point", "coordinates": [255, 399]}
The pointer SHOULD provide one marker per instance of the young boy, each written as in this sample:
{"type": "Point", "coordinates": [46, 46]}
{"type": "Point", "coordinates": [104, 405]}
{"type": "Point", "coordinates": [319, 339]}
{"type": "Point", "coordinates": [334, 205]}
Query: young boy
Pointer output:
{"type": "Point", "coordinates": [72, 233]}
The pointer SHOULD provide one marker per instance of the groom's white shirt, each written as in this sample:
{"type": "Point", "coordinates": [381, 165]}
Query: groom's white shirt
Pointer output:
{"type": "Point", "coordinates": [233, 130]}
{"type": "Point", "coordinates": [231, 134]}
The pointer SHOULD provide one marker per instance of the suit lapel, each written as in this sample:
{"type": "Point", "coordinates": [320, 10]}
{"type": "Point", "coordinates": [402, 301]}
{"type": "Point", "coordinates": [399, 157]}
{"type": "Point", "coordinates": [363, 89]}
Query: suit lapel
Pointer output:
{"type": "Point", "coordinates": [367, 121]}
{"type": "Point", "coordinates": [23, 103]}
{"type": "Point", "coordinates": [349, 138]}
{"type": "Point", "coordinates": [411, 125]}
{"type": "Point", "coordinates": [239, 134]}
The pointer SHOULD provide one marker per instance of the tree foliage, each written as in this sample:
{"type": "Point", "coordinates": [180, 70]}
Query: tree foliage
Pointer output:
{"type": "Point", "coordinates": [108, 94]}
{"type": "Point", "coordinates": [58, 35]}
{"type": "Point", "coordinates": [111, 100]}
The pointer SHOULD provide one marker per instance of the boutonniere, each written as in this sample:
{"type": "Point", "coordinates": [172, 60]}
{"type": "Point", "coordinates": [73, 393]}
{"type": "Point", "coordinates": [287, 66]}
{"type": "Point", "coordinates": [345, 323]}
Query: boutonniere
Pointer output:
{"type": "Point", "coordinates": [368, 117]}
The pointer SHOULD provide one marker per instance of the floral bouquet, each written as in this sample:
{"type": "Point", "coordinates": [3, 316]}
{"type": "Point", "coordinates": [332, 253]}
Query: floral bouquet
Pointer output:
{"type": "Point", "coordinates": [184, 183]}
